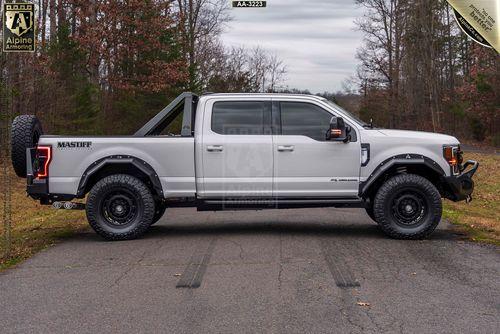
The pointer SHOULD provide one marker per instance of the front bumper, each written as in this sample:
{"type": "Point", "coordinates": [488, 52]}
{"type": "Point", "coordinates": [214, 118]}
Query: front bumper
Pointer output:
{"type": "Point", "coordinates": [460, 187]}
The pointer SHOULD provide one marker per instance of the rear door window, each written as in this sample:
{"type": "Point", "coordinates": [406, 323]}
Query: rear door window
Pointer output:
{"type": "Point", "coordinates": [241, 117]}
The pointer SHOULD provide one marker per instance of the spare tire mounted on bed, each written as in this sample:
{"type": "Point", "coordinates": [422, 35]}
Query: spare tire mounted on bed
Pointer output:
{"type": "Point", "coordinates": [25, 133]}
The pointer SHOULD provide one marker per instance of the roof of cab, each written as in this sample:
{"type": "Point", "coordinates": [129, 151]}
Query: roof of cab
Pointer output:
{"type": "Point", "coordinates": [276, 95]}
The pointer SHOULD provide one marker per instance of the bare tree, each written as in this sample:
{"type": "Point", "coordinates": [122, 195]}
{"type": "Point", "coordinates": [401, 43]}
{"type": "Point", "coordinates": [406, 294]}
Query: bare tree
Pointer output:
{"type": "Point", "coordinates": [258, 66]}
{"type": "Point", "coordinates": [383, 26]}
{"type": "Point", "coordinates": [200, 21]}
{"type": "Point", "coordinates": [240, 70]}
{"type": "Point", "coordinates": [266, 70]}
{"type": "Point", "coordinates": [277, 71]}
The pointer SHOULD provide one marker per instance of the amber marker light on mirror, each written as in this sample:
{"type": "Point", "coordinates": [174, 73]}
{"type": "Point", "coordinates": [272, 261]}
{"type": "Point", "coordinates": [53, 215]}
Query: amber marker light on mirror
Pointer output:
{"type": "Point", "coordinates": [336, 132]}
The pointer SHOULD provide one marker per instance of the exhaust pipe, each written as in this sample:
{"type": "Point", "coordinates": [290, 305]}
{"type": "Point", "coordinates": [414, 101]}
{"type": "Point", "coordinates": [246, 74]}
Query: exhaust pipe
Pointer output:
{"type": "Point", "coordinates": [57, 205]}
{"type": "Point", "coordinates": [68, 205]}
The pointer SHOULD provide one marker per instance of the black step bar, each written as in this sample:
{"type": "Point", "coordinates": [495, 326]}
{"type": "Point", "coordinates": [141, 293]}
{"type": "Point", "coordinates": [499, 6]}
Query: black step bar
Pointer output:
{"type": "Point", "coordinates": [249, 203]}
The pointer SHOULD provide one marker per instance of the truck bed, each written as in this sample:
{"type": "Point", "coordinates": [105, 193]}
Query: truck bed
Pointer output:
{"type": "Point", "coordinates": [171, 157]}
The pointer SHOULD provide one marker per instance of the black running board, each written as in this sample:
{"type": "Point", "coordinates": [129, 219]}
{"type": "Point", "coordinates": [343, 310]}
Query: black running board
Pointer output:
{"type": "Point", "coordinates": [255, 204]}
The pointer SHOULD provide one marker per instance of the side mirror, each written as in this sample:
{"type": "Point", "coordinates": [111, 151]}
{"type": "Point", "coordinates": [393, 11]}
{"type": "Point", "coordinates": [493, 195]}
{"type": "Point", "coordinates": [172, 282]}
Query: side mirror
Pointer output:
{"type": "Point", "coordinates": [338, 131]}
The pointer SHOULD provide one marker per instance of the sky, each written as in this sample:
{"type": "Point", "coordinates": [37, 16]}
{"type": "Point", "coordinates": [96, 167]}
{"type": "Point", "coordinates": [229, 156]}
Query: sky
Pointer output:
{"type": "Point", "coordinates": [316, 39]}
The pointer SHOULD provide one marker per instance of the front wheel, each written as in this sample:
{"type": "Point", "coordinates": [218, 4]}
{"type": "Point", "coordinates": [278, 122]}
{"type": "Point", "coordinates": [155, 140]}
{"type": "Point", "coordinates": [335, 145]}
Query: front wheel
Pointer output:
{"type": "Point", "coordinates": [120, 207]}
{"type": "Point", "coordinates": [407, 206]}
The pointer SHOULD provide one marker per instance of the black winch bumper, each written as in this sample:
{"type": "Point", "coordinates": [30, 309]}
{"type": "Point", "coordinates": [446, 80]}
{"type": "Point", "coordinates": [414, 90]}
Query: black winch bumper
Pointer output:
{"type": "Point", "coordinates": [460, 187]}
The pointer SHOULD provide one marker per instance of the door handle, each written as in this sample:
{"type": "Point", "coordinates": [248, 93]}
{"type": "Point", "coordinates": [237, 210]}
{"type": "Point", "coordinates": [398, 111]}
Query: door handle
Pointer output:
{"type": "Point", "coordinates": [286, 148]}
{"type": "Point", "coordinates": [214, 148]}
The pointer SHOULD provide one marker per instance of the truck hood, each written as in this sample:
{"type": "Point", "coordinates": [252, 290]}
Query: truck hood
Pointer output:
{"type": "Point", "coordinates": [420, 136]}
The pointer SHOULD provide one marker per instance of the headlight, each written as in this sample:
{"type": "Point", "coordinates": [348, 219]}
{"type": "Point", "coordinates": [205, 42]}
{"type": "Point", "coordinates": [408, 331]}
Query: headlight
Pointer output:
{"type": "Point", "coordinates": [453, 155]}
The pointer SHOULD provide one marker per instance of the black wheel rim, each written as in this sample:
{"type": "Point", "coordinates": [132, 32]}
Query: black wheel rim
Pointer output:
{"type": "Point", "coordinates": [119, 208]}
{"type": "Point", "coordinates": [409, 207]}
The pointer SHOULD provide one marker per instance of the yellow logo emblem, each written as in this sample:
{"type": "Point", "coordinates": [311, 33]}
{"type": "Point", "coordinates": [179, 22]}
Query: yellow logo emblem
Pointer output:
{"type": "Point", "coordinates": [19, 27]}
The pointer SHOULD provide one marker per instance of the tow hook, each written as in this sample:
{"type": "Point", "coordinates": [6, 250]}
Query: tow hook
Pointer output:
{"type": "Point", "coordinates": [68, 205]}
{"type": "Point", "coordinates": [468, 199]}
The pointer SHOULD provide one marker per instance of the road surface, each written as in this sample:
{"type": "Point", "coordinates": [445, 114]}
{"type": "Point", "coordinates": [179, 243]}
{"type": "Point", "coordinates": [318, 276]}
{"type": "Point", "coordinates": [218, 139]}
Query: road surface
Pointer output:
{"type": "Point", "coordinates": [277, 271]}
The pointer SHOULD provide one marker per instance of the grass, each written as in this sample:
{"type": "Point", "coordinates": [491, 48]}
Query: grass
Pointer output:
{"type": "Point", "coordinates": [480, 219]}
{"type": "Point", "coordinates": [34, 226]}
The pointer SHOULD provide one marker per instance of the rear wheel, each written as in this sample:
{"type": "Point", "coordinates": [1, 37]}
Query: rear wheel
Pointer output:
{"type": "Point", "coordinates": [120, 207]}
{"type": "Point", "coordinates": [25, 133]}
{"type": "Point", "coordinates": [407, 206]}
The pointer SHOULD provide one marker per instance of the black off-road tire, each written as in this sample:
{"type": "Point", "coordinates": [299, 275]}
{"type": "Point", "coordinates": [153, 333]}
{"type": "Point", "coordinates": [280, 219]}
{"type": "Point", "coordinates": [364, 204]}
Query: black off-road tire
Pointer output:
{"type": "Point", "coordinates": [396, 196]}
{"type": "Point", "coordinates": [25, 132]}
{"type": "Point", "coordinates": [159, 211]}
{"type": "Point", "coordinates": [125, 191]}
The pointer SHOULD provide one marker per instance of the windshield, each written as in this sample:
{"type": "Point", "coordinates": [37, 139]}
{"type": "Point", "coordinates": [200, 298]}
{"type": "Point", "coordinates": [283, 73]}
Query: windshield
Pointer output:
{"type": "Point", "coordinates": [351, 115]}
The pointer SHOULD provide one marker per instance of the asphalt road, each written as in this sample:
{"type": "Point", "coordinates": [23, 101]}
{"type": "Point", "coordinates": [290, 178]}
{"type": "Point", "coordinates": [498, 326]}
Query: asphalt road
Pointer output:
{"type": "Point", "coordinates": [287, 271]}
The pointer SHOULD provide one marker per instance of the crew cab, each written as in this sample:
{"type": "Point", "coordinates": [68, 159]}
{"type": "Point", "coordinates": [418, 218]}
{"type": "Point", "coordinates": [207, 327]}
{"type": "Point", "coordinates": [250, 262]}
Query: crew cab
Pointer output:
{"type": "Point", "coordinates": [245, 151]}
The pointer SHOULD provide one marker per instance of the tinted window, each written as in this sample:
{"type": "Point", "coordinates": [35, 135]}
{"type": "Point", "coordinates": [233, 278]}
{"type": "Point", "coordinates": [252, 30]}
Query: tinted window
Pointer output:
{"type": "Point", "coordinates": [304, 119]}
{"type": "Point", "coordinates": [240, 117]}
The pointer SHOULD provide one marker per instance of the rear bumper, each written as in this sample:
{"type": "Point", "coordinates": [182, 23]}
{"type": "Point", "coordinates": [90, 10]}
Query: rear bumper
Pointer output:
{"type": "Point", "coordinates": [39, 189]}
{"type": "Point", "coordinates": [36, 188]}
{"type": "Point", "coordinates": [460, 187]}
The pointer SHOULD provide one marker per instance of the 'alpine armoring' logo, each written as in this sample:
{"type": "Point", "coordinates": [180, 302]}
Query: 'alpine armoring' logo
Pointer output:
{"type": "Point", "coordinates": [19, 27]}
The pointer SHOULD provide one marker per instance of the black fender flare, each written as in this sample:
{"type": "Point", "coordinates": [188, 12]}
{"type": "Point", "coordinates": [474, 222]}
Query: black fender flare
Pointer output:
{"type": "Point", "coordinates": [398, 160]}
{"type": "Point", "coordinates": [140, 164]}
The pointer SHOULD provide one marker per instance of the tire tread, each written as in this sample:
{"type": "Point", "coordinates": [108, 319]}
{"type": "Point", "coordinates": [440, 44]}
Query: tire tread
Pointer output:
{"type": "Point", "coordinates": [407, 179]}
{"type": "Point", "coordinates": [21, 138]}
{"type": "Point", "coordinates": [127, 181]}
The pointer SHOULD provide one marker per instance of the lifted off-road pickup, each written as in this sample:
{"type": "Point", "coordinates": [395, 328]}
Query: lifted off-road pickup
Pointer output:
{"type": "Point", "coordinates": [236, 151]}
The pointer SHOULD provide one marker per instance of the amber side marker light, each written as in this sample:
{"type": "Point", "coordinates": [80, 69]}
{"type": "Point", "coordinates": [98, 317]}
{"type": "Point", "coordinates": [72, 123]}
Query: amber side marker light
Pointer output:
{"type": "Point", "coordinates": [449, 153]}
{"type": "Point", "coordinates": [44, 156]}
{"type": "Point", "coordinates": [453, 155]}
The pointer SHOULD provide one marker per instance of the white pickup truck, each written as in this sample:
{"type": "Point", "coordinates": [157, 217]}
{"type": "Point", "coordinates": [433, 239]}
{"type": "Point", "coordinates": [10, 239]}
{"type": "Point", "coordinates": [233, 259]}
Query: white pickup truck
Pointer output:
{"type": "Point", "coordinates": [254, 151]}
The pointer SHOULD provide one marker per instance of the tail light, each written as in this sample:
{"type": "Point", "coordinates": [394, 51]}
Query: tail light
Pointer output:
{"type": "Point", "coordinates": [453, 155]}
{"type": "Point", "coordinates": [42, 161]}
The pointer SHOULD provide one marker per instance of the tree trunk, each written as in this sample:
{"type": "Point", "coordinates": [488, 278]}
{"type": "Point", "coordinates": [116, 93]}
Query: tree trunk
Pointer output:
{"type": "Point", "coordinates": [44, 21]}
{"type": "Point", "coordinates": [53, 23]}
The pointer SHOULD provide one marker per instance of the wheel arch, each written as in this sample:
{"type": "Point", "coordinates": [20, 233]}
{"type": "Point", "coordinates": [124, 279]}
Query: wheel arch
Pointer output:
{"type": "Point", "coordinates": [120, 164]}
{"type": "Point", "coordinates": [403, 163]}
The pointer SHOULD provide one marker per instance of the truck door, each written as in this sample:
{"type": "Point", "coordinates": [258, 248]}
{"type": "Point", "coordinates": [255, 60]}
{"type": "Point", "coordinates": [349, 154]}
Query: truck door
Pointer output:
{"type": "Point", "coordinates": [305, 164]}
{"type": "Point", "coordinates": [237, 148]}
